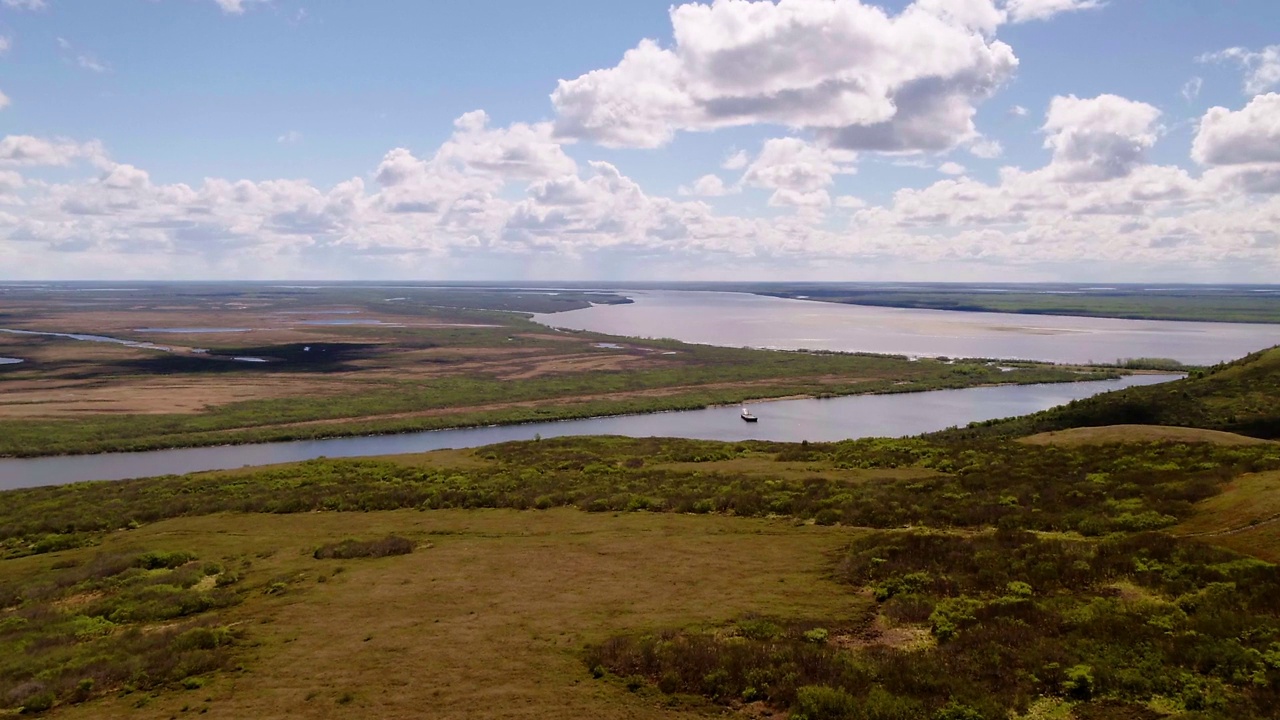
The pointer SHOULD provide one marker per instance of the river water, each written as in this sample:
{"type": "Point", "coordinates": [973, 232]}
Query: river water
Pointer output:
{"type": "Point", "coordinates": [781, 420]}
{"type": "Point", "coordinates": [743, 320]}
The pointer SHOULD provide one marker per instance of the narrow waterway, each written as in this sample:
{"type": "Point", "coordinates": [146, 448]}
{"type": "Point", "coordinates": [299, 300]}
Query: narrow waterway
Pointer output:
{"type": "Point", "coordinates": [783, 420]}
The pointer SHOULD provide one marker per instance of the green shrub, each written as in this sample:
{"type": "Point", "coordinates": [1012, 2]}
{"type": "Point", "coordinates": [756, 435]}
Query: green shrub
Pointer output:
{"type": "Point", "coordinates": [759, 629]}
{"type": "Point", "coordinates": [38, 703]}
{"type": "Point", "coordinates": [957, 711]}
{"type": "Point", "coordinates": [819, 702]}
{"type": "Point", "coordinates": [160, 560]}
{"type": "Point", "coordinates": [816, 635]}
{"type": "Point", "coordinates": [879, 704]}
{"type": "Point", "coordinates": [1079, 683]}
{"type": "Point", "coordinates": [952, 615]}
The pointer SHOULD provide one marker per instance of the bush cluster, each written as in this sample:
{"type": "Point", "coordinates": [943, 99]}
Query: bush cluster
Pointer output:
{"type": "Point", "coordinates": [130, 621]}
{"type": "Point", "coordinates": [347, 549]}
{"type": "Point", "coordinates": [1094, 490]}
{"type": "Point", "coordinates": [1110, 625]}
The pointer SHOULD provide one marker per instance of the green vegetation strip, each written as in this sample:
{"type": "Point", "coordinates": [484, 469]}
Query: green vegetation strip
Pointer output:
{"type": "Point", "coordinates": [552, 397]}
{"type": "Point", "coordinates": [1241, 306]}
{"type": "Point", "coordinates": [1089, 490]}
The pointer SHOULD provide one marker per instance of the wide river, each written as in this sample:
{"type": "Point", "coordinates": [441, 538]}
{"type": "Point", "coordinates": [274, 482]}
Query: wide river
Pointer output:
{"type": "Point", "coordinates": [743, 320]}
{"type": "Point", "coordinates": [782, 420]}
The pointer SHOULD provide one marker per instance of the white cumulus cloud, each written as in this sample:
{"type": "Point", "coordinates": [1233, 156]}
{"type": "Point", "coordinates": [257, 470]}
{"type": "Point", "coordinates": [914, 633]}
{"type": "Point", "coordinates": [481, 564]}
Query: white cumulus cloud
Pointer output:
{"type": "Point", "coordinates": [736, 160]}
{"type": "Point", "coordinates": [855, 75]}
{"type": "Point", "coordinates": [1243, 145]}
{"type": "Point", "coordinates": [707, 186]}
{"type": "Point", "coordinates": [1026, 10]}
{"type": "Point", "coordinates": [1099, 138]}
{"type": "Point", "coordinates": [235, 7]}
{"type": "Point", "coordinates": [490, 197]}
{"type": "Point", "coordinates": [10, 181]}
{"type": "Point", "coordinates": [1244, 136]}
{"type": "Point", "coordinates": [33, 151]}
{"type": "Point", "coordinates": [1262, 68]}
{"type": "Point", "coordinates": [798, 172]}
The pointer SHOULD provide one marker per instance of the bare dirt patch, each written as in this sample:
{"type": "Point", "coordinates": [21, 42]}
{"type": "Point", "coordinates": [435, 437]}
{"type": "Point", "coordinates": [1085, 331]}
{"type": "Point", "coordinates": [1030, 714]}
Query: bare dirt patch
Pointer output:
{"type": "Point", "coordinates": [78, 600]}
{"type": "Point", "coordinates": [881, 633]}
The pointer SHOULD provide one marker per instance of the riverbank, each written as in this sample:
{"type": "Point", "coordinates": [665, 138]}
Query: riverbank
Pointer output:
{"type": "Point", "coordinates": [792, 420]}
{"type": "Point", "coordinates": [138, 433]}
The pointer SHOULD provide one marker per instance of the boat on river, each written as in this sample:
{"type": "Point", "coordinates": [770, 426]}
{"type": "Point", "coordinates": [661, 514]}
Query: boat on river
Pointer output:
{"type": "Point", "coordinates": [747, 416]}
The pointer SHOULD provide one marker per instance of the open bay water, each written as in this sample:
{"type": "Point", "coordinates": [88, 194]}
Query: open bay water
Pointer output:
{"type": "Point", "coordinates": [744, 320]}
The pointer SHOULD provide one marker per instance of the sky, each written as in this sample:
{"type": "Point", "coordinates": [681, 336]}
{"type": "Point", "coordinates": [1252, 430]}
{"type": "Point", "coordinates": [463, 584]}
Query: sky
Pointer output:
{"type": "Point", "coordinates": [842, 140]}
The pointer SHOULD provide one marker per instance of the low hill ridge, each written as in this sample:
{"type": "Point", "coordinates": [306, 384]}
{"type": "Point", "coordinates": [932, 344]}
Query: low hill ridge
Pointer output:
{"type": "Point", "coordinates": [1241, 397]}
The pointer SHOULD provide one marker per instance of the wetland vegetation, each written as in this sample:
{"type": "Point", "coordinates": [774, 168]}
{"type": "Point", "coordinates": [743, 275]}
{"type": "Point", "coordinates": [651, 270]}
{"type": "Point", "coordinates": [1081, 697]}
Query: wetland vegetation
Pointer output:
{"type": "Point", "coordinates": [1233, 303]}
{"type": "Point", "coordinates": [435, 359]}
{"type": "Point", "coordinates": [1113, 574]}
{"type": "Point", "coordinates": [1114, 558]}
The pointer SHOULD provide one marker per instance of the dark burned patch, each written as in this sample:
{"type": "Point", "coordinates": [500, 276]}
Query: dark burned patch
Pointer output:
{"type": "Point", "coordinates": [294, 357]}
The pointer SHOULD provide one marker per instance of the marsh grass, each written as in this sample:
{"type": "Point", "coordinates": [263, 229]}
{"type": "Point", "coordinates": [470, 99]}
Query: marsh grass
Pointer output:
{"type": "Point", "coordinates": [121, 621]}
{"type": "Point", "coordinates": [701, 376]}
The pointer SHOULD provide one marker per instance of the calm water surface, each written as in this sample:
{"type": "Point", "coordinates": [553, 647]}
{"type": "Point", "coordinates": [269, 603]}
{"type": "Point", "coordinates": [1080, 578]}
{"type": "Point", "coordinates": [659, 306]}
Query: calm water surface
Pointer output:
{"type": "Point", "coordinates": [193, 330]}
{"type": "Point", "coordinates": [782, 420]}
{"type": "Point", "coordinates": [743, 320]}
{"type": "Point", "coordinates": [88, 338]}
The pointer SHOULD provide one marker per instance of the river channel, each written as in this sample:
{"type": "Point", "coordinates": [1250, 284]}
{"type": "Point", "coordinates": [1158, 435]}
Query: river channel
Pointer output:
{"type": "Point", "coordinates": [782, 420]}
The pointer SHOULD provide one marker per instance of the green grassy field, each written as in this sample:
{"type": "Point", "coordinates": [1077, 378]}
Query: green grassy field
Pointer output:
{"type": "Point", "coordinates": [487, 617]}
{"type": "Point", "coordinates": [1107, 573]}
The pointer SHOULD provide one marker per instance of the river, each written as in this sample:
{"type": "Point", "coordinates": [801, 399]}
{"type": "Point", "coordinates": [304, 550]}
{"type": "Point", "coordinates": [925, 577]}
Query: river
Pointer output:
{"type": "Point", "coordinates": [743, 320]}
{"type": "Point", "coordinates": [782, 420]}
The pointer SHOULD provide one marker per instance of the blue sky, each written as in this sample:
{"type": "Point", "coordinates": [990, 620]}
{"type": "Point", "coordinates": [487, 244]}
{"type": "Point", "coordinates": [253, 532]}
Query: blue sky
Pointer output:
{"type": "Point", "coordinates": [1057, 140]}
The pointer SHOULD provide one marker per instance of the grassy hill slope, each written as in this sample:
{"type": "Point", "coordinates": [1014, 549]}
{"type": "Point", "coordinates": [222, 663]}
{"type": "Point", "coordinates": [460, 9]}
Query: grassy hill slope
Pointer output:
{"type": "Point", "coordinates": [1240, 397]}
